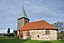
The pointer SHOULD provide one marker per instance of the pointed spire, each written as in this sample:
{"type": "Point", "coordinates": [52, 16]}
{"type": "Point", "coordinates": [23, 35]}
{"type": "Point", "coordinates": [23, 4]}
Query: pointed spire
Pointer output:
{"type": "Point", "coordinates": [23, 13]}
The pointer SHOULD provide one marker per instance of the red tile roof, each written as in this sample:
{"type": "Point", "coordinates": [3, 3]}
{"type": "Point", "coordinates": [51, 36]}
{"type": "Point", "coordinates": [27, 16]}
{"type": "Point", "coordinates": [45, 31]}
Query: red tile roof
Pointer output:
{"type": "Point", "coordinates": [38, 25]}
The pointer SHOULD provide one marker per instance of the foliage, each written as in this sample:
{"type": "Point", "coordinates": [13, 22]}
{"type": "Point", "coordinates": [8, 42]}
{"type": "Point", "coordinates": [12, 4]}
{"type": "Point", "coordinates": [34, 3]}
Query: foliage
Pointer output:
{"type": "Point", "coordinates": [8, 31]}
{"type": "Point", "coordinates": [15, 33]}
{"type": "Point", "coordinates": [9, 35]}
{"type": "Point", "coordinates": [61, 35]}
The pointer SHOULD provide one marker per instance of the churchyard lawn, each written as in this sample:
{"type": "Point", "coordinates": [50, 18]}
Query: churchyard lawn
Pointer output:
{"type": "Point", "coordinates": [29, 41]}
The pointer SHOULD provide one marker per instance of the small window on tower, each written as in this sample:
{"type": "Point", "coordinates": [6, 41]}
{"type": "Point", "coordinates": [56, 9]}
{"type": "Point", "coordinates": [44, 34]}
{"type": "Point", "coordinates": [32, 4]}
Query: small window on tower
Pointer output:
{"type": "Point", "coordinates": [26, 21]}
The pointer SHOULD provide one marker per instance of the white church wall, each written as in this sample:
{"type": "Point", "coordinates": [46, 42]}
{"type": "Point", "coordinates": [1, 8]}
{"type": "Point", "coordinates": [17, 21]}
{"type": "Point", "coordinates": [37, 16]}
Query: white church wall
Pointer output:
{"type": "Point", "coordinates": [40, 35]}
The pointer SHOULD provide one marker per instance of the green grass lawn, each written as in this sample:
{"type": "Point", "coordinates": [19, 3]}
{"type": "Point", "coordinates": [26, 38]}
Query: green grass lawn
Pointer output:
{"type": "Point", "coordinates": [29, 41]}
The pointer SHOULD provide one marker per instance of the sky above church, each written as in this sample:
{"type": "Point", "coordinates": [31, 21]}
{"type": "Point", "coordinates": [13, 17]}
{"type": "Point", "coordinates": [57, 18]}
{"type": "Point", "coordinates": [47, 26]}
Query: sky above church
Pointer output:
{"type": "Point", "coordinates": [48, 10]}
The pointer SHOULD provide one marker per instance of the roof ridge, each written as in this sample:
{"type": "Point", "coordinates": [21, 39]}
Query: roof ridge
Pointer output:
{"type": "Point", "coordinates": [35, 21]}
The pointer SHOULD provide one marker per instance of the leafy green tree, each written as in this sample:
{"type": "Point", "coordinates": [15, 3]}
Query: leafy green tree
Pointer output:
{"type": "Point", "coordinates": [8, 31]}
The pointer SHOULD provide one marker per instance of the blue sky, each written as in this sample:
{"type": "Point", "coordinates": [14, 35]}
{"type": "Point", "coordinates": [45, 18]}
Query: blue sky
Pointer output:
{"type": "Point", "coordinates": [49, 10]}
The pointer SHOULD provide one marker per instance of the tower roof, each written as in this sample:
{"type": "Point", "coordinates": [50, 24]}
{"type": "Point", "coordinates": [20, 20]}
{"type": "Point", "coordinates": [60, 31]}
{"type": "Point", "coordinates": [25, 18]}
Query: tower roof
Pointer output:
{"type": "Point", "coordinates": [23, 13]}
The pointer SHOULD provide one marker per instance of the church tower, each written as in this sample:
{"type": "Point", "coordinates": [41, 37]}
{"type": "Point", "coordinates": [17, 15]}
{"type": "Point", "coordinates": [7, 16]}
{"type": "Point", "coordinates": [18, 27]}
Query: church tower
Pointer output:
{"type": "Point", "coordinates": [23, 19]}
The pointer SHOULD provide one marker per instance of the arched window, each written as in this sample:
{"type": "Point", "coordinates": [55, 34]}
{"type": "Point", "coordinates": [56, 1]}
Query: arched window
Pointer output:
{"type": "Point", "coordinates": [37, 35]}
{"type": "Point", "coordinates": [28, 33]}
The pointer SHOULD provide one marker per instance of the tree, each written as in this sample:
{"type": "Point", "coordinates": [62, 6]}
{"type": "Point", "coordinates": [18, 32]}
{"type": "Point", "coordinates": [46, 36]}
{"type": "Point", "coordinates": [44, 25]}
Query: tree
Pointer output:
{"type": "Point", "coordinates": [15, 33]}
{"type": "Point", "coordinates": [58, 25]}
{"type": "Point", "coordinates": [8, 31]}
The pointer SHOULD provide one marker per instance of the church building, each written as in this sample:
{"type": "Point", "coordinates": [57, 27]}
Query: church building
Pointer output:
{"type": "Point", "coordinates": [38, 30]}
